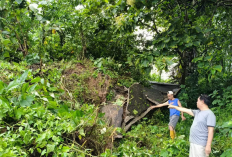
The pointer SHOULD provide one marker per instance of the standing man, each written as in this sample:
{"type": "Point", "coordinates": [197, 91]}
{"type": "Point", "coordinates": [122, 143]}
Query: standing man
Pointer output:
{"type": "Point", "coordinates": [201, 132]}
{"type": "Point", "coordinates": [174, 114]}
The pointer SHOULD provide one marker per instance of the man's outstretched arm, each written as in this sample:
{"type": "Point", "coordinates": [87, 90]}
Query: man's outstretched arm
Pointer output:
{"type": "Point", "coordinates": [182, 109]}
{"type": "Point", "coordinates": [182, 114]}
{"type": "Point", "coordinates": [161, 105]}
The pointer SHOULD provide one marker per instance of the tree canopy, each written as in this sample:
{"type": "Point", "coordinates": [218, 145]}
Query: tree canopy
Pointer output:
{"type": "Point", "coordinates": [197, 32]}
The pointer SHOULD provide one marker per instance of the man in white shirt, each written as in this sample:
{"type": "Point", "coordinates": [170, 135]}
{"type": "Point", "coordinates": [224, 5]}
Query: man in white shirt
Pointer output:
{"type": "Point", "coordinates": [201, 132]}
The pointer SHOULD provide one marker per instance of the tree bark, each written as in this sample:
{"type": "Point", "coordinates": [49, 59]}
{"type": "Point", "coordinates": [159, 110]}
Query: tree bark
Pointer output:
{"type": "Point", "coordinates": [83, 43]}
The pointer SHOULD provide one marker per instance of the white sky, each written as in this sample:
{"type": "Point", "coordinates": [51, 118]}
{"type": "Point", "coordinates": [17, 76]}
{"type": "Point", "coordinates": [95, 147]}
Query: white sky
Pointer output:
{"type": "Point", "coordinates": [148, 35]}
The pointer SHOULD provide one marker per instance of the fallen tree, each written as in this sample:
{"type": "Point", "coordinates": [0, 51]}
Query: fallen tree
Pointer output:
{"type": "Point", "coordinates": [137, 104]}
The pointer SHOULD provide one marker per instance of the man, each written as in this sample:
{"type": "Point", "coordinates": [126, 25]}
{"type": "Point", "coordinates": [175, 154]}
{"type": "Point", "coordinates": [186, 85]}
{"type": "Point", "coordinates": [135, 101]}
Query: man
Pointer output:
{"type": "Point", "coordinates": [201, 132]}
{"type": "Point", "coordinates": [174, 114]}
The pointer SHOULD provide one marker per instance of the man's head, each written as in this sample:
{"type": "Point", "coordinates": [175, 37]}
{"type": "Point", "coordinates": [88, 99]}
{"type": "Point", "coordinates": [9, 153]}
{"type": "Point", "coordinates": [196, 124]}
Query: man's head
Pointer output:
{"type": "Point", "coordinates": [203, 101]}
{"type": "Point", "coordinates": [170, 95]}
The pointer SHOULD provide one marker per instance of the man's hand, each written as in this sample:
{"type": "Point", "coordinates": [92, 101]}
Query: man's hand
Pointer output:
{"type": "Point", "coordinates": [183, 118]}
{"type": "Point", "coordinates": [207, 150]}
{"type": "Point", "coordinates": [152, 107]}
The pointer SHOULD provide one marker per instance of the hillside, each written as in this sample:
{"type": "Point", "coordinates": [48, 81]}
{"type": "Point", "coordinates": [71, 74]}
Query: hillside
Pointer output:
{"type": "Point", "coordinates": [57, 114]}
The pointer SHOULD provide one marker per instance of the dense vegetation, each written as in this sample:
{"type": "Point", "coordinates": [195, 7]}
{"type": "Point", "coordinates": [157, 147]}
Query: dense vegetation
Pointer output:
{"type": "Point", "coordinates": [42, 43]}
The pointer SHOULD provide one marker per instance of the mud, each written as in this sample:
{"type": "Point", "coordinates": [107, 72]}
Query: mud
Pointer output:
{"type": "Point", "coordinates": [87, 85]}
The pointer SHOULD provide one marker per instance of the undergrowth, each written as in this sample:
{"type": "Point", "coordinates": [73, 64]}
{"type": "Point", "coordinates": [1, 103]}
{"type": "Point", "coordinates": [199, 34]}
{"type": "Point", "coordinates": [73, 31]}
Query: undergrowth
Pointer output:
{"type": "Point", "coordinates": [36, 122]}
{"type": "Point", "coordinates": [150, 138]}
{"type": "Point", "coordinates": [41, 117]}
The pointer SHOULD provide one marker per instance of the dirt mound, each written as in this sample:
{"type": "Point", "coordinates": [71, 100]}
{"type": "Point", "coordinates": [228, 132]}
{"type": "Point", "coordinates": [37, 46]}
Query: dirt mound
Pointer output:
{"type": "Point", "coordinates": [76, 69]}
{"type": "Point", "coordinates": [86, 83]}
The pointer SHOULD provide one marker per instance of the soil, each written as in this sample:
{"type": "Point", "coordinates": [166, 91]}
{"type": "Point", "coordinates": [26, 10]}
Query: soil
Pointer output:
{"type": "Point", "coordinates": [87, 85]}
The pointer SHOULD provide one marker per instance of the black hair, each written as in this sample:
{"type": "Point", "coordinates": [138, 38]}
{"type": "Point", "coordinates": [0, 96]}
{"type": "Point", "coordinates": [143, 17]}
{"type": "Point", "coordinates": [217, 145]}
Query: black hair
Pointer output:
{"type": "Point", "coordinates": [205, 98]}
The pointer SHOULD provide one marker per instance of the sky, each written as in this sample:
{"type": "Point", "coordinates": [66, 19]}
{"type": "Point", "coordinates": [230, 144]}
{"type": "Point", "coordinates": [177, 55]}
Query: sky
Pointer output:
{"type": "Point", "coordinates": [149, 36]}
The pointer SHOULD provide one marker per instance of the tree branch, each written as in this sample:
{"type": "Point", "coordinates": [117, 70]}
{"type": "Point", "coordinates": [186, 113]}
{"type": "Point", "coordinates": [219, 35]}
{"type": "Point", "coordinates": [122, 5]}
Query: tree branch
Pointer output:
{"type": "Point", "coordinates": [212, 15]}
{"type": "Point", "coordinates": [153, 101]}
{"type": "Point", "coordinates": [136, 119]}
{"type": "Point", "coordinates": [154, 29]}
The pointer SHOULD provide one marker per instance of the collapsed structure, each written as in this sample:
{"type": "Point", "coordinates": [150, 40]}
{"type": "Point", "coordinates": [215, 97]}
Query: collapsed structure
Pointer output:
{"type": "Point", "coordinates": [122, 106]}
{"type": "Point", "coordinates": [135, 103]}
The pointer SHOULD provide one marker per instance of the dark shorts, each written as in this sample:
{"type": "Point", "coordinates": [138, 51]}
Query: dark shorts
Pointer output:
{"type": "Point", "coordinates": [173, 121]}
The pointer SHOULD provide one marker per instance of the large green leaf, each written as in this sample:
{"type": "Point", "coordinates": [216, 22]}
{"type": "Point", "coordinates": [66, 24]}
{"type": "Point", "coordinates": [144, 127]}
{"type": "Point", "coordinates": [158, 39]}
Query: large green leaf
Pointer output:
{"type": "Point", "coordinates": [145, 63]}
{"type": "Point", "coordinates": [27, 101]}
{"type": "Point", "coordinates": [4, 103]}
{"type": "Point", "coordinates": [65, 149]}
{"type": "Point", "coordinates": [164, 153]}
{"type": "Point", "coordinates": [41, 137]}
{"type": "Point", "coordinates": [50, 148]}
{"type": "Point", "coordinates": [37, 79]}
{"type": "Point", "coordinates": [196, 43]}
{"type": "Point", "coordinates": [19, 112]}
{"type": "Point", "coordinates": [6, 55]}
{"type": "Point", "coordinates": [32, 88]}
{"type": "Point", "coordinates": [25, 87]}
{"type": "Point", "coordinates": [198, 29]}
{"type": "Point", "coordinates": [79, 113]}
{"type": "Point", "coordinates": [166, 40]}
{"type": "Point", "coordinates": [218, 68]}
{"type": "Point", "coordinates": [52, 105]}
{"type": "Point", "coordinates": [6, 42]}
{"type": "Point", "coordinates": [197, 59]}
{"type": "Point", "coordinates": [12, 85]}
{"type": "Point", "coordinates": [2, 114]}
{"type": "Point", "coordinates": [23, 76]}
{"type": "Point", "coordinates": [19, 1]}
{"type": "Point", "coordinates": [2, 86]}
{"type": "Point", "coordinates": [208, 58]}
{"type": "Point", "coordinates": [189, 44]}
{"type": "Point", "coordinates": [150, 58]}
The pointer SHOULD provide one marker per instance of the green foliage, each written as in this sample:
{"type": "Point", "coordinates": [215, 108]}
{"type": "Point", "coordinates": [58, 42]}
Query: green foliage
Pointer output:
{"type": "Point", "coordinates": [125, 81]}
{"type": "Point", "coordinates": [110, 95]}
{"type": "Point", "coordinates": [157, 78]}
{"type": "Point", "coordinates": [198, 35]}
{"type": "Point", "coordinates": [223, 100]}
{"type": "Point", "coordinates": [227, 153]}
{"type": "Point", "coordinates": [108, 67]}
{"type": "Point", "coordinates": [148, 139]}
{"type": "Point", "coordinates": [131, 149]}
{"type": "Point", "coordinates": [151, 138]}
{"type": "Point", "coordinates": [34, 122]}
{"type": "Point", "coordinates": [36, 114]}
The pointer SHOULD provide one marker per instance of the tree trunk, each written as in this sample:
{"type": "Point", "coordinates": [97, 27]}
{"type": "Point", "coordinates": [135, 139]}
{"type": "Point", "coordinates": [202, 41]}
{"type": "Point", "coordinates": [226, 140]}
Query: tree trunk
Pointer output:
{"type": "Point", "coordinates": [83, 43]}
{"type": "Point", "coordinates": [184, 70]}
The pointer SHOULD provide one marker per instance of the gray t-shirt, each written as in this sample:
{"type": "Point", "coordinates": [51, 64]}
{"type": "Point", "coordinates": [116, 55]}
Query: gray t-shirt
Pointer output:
{"type": "Point", "coordinates": [199, 129]}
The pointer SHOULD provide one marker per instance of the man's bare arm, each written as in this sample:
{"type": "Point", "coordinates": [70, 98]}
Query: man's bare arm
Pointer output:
{"type": "Point", "coordinates": [160, 105]}
{"type": "Point", "coordinates": [182, 109]}
{"type": "Point", "coordinates": [182, 114]}
{"type": "Point", "coordinates": [209, 141]}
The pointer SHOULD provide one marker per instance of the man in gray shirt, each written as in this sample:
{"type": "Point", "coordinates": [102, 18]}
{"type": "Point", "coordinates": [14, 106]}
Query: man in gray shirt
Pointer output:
{"type": "Point", "coordinates": [201, 132]}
